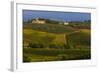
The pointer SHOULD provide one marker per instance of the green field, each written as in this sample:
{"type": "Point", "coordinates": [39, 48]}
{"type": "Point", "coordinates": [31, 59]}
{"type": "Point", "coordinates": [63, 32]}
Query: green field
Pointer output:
{"type": "Point", "coordinates": [54, 42]}
{"type": "Point", "coordinates": [41, 54]}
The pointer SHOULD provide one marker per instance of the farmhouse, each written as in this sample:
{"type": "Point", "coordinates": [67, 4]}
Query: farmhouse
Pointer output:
{"type": "Point", "coordinates": [38, 21]}
{"type": "Point", "coordinates": [66, 23]}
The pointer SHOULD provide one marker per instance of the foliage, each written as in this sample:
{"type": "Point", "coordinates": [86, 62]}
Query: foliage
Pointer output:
{"type": "Point", "coordinates": [51, 28]}
{"type": "Point", "coordinates": [42, 54]}
{"type": "Point", "coordinates": [54, 42]}
{"type": "Point", "coordinates": [26, 58]}
{"type": "Point", "coordinates": [79, 39]}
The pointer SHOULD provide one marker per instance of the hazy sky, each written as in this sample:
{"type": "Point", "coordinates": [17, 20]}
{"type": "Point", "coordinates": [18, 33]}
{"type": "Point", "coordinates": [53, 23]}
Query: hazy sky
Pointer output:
{"type": "Point", "coordinates": [63, 16]}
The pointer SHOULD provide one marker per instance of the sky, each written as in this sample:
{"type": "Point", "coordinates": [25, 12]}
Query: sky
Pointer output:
{"type": "Point", "coordinates": [55, 15]}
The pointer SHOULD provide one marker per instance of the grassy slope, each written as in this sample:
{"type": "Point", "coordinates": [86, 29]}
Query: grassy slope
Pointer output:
{"type": "Point", "coordinates": [29, 34]}
{"type": "Point", "coordinates": [42, 54]}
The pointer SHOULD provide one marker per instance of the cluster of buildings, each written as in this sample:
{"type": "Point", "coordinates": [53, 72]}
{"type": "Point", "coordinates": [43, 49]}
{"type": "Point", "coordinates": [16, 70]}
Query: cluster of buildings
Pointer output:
{"type": "Point", "coordinates": [43, 21]}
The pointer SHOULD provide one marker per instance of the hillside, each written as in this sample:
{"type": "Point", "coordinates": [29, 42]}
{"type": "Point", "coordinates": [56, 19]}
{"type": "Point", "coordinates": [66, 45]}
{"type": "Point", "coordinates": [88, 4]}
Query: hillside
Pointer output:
{"type": "Point", "coordinates": [52, 28]}
{"type": "Point", "coordinates": [54, 42]}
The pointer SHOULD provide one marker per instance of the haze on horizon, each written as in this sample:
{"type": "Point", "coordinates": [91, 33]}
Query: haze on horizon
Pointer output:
{"type": "Point", "coordinates": [55, 15]}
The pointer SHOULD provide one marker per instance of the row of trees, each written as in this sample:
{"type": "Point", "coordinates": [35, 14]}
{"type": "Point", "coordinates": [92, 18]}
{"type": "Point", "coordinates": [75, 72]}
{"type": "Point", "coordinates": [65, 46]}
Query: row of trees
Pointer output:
{"type": "Point", "coordinates": [50, 45]}
{"type": "Point", "coordinates": [81, 25]}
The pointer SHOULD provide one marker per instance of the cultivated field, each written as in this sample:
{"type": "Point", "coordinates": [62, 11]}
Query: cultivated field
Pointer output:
{"type": "Point", "coordinates": [56, 42]}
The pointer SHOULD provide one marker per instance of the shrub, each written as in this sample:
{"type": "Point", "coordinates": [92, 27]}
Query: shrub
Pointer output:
{"type": "Point", "coordinates": [56, 45]}
{"type": "Point", "coordinates": [63, 57]}
{"type": "Point", "coordinates": [26, 59]}
{"type": "Point", "coordinates": [66, 46]}
{"type": "Point", "coordinates": [36, 45]}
